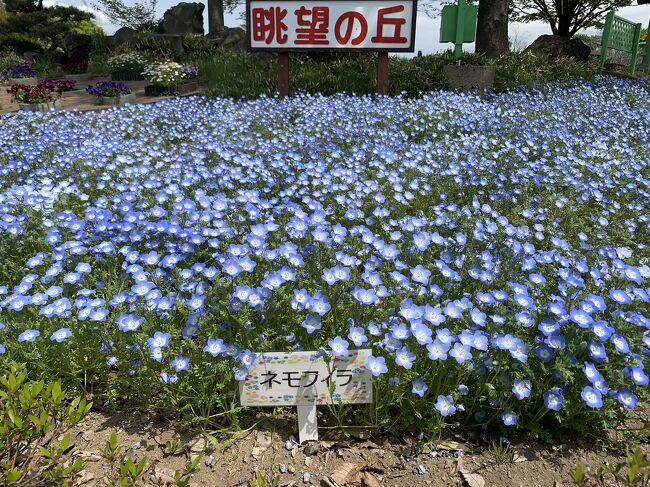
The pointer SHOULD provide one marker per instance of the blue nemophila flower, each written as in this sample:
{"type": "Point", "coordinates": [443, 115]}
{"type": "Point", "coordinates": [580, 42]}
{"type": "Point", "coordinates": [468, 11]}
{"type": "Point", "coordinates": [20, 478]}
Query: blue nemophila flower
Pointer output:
{"type": "Point", "coordinates": [637, 375]}
{"type": "Point", "coordinates": [214, 347]}
{"type": "Point", "coordinates": [356, 334]}
{"type": "Point", "coordinates": [445, 405]}
{"type": "Point", "coordinates": [404, 357]}
{"type": "Point", "coordinates": [29, 335]}
{"type": "Point", "coordinates": [592, 397]}
{"type": "Point", "coordinates": [521, 389]}
{"type": "Point", "coordinates": [180, 363]}
{"type": "Point", "coordinates": [129, 322]}
{"type": "Point", "coordinates": [419, 387]}
{"type": "Point", "coordinates": [627, 398]}
{"type": "Point", "coordinates": [339, 347]}
{"type": "Point", "coordinates": [553, 399]}
{"type": "Point", "coordinates": [61, 335]}
{"type": "Point", "coordinates": [376, 365]}
{"type": "Point", "coordinates": [509, 418]}
{"type": "Point", "coordinates": [159, 340]}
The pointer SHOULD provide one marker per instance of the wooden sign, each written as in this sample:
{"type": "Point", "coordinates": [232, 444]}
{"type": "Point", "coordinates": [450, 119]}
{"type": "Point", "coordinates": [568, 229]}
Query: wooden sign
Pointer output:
{"type": "Point", "coordinates": [306, 380]}
{"type": "Point", "coordinates": [285, 26]}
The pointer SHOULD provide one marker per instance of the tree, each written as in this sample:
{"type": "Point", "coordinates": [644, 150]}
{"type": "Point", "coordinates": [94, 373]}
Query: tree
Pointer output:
{"type": "Point", "coordinates": [215, 15]}
{"type": "Point", "coordinates": [492, 28]}
{"type": "Point", "coordinates": [565, 17]}
{"type": "Point", "coordinates": [28, 25]}
{"type": "Point", "coordinates": [141, 16]}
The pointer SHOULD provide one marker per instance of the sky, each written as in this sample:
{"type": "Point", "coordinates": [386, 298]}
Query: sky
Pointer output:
{"type": "Point", "coordinates": [427, 28]}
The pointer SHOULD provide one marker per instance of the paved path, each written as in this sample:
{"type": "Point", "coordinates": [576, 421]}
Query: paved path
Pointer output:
{"type": "Point", "coordinates": [85, 102]}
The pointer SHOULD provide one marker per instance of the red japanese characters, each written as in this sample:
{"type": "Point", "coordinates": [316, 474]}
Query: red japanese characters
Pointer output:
{"type": "Point", "coordinates": [331, 25]}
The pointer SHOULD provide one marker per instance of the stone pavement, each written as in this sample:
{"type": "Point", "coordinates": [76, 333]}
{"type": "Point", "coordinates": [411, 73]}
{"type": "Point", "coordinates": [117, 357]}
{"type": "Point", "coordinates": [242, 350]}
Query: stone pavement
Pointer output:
{"type": "Point", "coordinates": [82, 101]}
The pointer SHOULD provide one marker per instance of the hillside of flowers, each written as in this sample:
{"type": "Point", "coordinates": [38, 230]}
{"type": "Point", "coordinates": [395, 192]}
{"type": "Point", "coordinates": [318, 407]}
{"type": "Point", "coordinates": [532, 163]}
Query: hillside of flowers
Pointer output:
{"type": "Point", "coordinates": [492, 251]}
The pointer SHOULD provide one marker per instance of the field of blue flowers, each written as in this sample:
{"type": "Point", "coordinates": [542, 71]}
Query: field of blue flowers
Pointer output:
{"type": "Point", "coordinates": [492, 251]}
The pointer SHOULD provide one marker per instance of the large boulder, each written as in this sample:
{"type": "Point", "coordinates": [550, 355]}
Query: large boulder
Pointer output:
{"type": "Point", "coordinates": [124, 35]}
{"type": "Point", "coordinates": [555, 46]}
{"type": "Point", "coordinates": [77, 47]}
{"type": "Point", "coordinates": [184, 18]}
{"type": "Point", "coordinates": [228, 38]}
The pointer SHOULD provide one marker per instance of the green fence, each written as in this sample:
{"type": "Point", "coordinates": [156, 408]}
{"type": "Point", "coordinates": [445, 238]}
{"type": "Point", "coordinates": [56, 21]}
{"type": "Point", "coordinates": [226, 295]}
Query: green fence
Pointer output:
{"type": "Point", "coordinates": [622, 35]}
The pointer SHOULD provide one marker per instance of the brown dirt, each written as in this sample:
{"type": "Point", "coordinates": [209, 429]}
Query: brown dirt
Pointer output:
{"type": "Point", "coordinates": [390, 461]}
{"type": "Point", "coordinates": [82, 101]}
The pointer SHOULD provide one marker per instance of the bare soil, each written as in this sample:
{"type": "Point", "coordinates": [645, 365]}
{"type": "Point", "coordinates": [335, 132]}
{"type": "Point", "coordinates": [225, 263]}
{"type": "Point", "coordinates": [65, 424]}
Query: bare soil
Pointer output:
{"type": "Point", "coordinates": [355, 459]}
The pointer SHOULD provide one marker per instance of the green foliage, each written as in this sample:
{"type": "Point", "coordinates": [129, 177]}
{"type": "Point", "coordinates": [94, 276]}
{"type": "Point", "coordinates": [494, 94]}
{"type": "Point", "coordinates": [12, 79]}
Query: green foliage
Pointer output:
{"type": "Point", "coordinates": [111, 450]}
{"type": "Point", "coordinates": [28, 26]}
{"type": "Point", "coordinates": [141, 16]}
{"type": "Point", "coordinates": [261, 481]}
{"type": "Point", "coordinates": [31, 414]}
{"type": "Point", "coordinates": [237, 75]}
{"type": "Point", "coordinates": [633, 472]}
{"type": "Point", "coordinates": [502, 453]}
{"type": "Point", "coordinates": [578, 474]}
{"type": "Point", "coordinates": [182, 477]}
{"type": "Point", "coordinates": [195, 44]}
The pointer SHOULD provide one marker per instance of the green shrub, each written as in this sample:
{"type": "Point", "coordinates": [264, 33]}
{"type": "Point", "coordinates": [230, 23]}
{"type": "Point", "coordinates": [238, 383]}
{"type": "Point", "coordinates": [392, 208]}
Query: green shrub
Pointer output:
{"type": "Point", "coordinates": [32, 414]}
{"type": "Point", "coordinates": [248, 75]}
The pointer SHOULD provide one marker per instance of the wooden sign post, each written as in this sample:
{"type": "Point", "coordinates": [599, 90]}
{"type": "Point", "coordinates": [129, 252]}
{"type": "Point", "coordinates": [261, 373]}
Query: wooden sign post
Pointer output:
{"type": "Point", "coordinates": [285, 26]}
{"type": "Point", "coordinates": [306, 380]}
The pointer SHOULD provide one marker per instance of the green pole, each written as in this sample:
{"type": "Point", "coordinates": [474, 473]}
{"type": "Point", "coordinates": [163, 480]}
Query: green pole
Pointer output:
{"type": "Point", "coordinates": [646, 61]}
{"type": "Point", "coordinates": [460, 26]}
{"type": "Point", "coordinates": [604, 43]}
{"type": "Point", "coordinates": [635, 48]}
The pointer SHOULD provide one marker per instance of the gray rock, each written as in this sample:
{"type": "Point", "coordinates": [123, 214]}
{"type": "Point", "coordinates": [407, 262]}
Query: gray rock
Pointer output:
{"type": "Point", "coordinates": [77, 46]}
{"type": "Point", "coordinates": [229, 38]}
{"type": "Point", "coordinates": [555, 46]}
{"type": "Point", "coordinates": [123, 35]}
{"type": "Point", "coordinates": [312, 448]}
{"type": "Point", "coordinates": [184, 18]}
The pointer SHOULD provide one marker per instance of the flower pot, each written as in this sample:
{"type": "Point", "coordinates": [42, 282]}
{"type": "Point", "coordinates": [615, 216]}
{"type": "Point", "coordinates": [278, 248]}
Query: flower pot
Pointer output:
{"type": "Point", "coordinates": [23, 81]}
{"type": "Point", "coordinates": [37, 107]}
{"type": "Point", "coordinates": [79, 77]}
{"type": "Point", "coordinates": [127, 76]}
{"type": "Point", "coordinates": [158, 90]}
{"type": "Point", "coordinates": [116, 100]}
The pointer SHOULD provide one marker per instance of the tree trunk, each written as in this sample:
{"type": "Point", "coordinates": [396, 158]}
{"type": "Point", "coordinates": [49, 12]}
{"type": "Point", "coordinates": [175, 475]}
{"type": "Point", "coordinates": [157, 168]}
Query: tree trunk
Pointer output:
{"type": "Point", "coordinates": [492, 28]}
{"type": "Point", "coordinates": [215, 15]}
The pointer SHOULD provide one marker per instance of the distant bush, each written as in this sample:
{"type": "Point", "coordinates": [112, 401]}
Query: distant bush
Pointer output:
{"type": "Point", "coordinates": [248, 75]}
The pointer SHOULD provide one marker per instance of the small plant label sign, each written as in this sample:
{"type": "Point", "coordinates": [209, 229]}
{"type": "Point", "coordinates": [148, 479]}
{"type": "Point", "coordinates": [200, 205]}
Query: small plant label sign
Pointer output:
{"type": "Point", "coordinates": [307, 380]}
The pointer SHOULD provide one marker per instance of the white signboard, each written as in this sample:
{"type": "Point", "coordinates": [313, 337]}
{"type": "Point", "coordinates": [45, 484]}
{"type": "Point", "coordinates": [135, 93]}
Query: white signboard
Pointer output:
{"type": "Point", "coordinates": [305, 380]}
{"type": "Point", "coordinates": [293, 25]}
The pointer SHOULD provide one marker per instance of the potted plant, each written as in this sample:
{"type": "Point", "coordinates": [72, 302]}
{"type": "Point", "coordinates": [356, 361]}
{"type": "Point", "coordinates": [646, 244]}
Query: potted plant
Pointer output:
{"type": "Point", "coordinates": [127, 66]}
{"type": "Point", "coordinates": [37, 98]}
{"type": "Point", "coordinates": [60, 86]}
{"type": "Point", "coordinates": [111, 93]}
{"type": "Point", "coordinates": [167, 77]}
{"type": "Point", "coordinates": [20, 75]}
{"type": "Point", "coordinates": [77, 71]}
